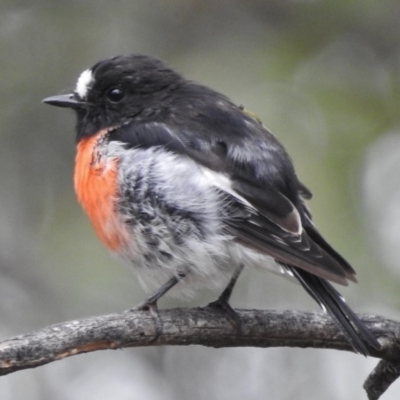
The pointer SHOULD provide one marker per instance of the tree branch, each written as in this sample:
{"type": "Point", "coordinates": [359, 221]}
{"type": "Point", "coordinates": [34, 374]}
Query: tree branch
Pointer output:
{"type": "Point", "coordinates": [379, 380]}
{"type": "Point", "coordinates": [202, 326]}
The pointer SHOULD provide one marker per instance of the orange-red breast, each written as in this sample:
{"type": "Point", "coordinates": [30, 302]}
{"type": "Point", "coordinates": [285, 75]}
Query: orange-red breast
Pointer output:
{"type": "Point", "coordinates": [188, 188]}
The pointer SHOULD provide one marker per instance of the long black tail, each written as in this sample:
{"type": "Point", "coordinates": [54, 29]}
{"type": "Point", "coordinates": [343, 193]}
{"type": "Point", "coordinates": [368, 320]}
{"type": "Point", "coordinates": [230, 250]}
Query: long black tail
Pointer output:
{"type": "Point", "coordinates": [330, 299]}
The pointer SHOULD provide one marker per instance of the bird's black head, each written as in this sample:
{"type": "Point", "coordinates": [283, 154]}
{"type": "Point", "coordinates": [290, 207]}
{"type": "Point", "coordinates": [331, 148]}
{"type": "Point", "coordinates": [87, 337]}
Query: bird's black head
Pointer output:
{"type": "Point", "coordinates": [116, 90]}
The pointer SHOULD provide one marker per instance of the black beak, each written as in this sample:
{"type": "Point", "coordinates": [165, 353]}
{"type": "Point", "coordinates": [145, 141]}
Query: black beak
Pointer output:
{"type": "Point", "coordinates": [64, 100]}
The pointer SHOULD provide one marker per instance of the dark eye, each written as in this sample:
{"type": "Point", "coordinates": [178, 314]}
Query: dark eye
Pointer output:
{"type": "Point", "coordinates": [115, 95]}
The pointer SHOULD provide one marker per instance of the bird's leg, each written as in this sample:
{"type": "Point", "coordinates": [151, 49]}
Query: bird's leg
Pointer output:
{"type": "Point", "coordinates": [226, 294]}
{"type": "Point", "coordinates": [150, 303]}
{"type": "Point", "coordinates": [222, 303]}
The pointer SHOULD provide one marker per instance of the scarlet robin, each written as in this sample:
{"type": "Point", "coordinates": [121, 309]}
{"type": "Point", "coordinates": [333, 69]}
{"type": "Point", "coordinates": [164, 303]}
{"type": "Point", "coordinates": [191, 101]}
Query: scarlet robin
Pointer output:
{"type": "Point", "coordinates": [188, 188]}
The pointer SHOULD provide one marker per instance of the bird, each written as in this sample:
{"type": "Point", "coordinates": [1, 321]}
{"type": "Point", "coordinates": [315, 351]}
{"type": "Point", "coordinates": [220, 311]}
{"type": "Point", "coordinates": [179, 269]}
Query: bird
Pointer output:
{"type": "Point", "coordinates": [190, 188]}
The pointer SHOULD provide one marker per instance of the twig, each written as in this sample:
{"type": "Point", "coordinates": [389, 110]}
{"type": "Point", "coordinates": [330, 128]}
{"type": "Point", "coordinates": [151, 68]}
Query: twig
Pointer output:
{"type": "Point", "coordinates": [201, 326]}
{"type": "Point", "coordinates": [379, 380]}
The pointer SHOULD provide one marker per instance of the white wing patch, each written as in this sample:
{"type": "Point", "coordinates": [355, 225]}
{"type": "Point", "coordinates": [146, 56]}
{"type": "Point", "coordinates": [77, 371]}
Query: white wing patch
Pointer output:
{"type": "Point", "coordinates": [222, 182]}
{"type": "Point", "coordinates": [83, 83]}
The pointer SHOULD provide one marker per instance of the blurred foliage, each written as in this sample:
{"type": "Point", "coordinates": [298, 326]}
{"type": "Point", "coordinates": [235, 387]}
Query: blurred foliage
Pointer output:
{"type": "Point", "coordinates": [322, 75]}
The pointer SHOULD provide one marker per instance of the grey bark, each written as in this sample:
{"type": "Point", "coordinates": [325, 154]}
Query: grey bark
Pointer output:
{"type": "Point", "coordinates": [201, 326]}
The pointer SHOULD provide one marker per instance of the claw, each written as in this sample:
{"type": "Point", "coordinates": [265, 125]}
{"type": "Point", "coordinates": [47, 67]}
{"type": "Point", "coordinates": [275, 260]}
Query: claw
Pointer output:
{"type": "Point", "coordinates": [152, 308]}
{"type": "Point", "coordinates": [233, 317]}
{"type": "Point", "coordinates": [222, 303]}
{"type": "Point", "coordinates": [150, 304]}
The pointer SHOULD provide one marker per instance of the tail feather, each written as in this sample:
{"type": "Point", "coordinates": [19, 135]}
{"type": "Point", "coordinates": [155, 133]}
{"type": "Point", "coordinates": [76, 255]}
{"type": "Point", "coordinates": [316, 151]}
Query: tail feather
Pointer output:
{"type": "Point", "coordinates": [330, 299]}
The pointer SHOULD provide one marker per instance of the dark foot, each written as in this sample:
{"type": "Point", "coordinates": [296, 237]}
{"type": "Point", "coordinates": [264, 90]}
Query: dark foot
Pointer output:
{"type": "Point", "coordinates": [145, 306]}
{"type": "Point", "coordinates": [152, 308]}
{"type": "Point", "coordinates": [150, 304]}
{"type": "Point", "coordinates": [234, 318]}
{"type": "Point", "coordinates": [222, 303]}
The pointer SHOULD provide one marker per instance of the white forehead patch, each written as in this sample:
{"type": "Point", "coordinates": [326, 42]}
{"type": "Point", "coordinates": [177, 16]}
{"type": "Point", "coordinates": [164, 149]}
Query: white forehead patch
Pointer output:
{"type": "Point", "coordinates": [82, 85]}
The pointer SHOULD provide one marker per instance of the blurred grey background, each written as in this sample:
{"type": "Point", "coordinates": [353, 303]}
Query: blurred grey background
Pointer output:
{"type": "Point", "coordinates": [324, 76]}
